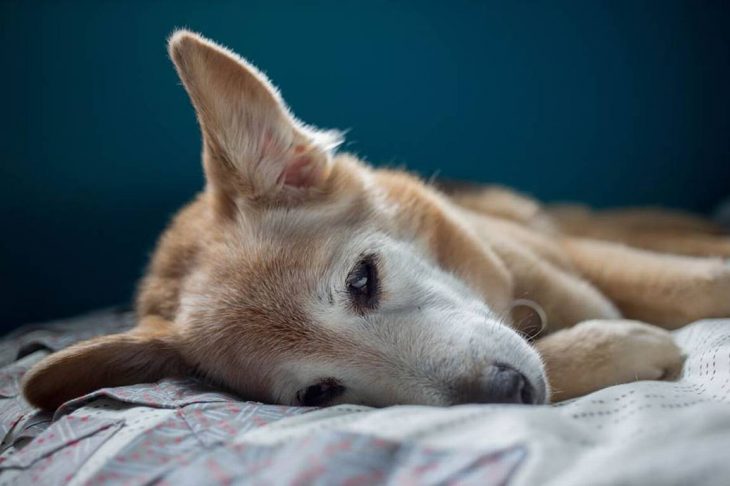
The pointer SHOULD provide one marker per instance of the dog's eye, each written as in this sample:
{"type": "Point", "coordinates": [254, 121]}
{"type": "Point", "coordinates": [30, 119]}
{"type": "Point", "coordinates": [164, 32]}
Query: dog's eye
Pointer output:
{"type": "Point", "coordinates": [320, 394]}
{"type": "Point", "coordinates": [362, 284]}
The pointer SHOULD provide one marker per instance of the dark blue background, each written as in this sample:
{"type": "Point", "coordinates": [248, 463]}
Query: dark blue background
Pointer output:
{"type": "Point", "coordinates": [604, 102]}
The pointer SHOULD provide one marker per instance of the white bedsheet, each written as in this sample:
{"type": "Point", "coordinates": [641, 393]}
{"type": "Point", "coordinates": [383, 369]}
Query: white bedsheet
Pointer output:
{"type": "Point", "coordinates": [646, 432]}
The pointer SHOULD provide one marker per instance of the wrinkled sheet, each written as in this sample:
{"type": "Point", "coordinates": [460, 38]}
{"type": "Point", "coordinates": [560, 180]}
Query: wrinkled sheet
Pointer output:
{"type": "Point", "coordinates": [183, 432]}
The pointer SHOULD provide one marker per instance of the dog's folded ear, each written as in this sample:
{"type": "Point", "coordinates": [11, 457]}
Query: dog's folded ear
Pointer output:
{"type": "Point", "coordinates": [254, 147]}
{"type": "Point", "coordinates": [105, 361]}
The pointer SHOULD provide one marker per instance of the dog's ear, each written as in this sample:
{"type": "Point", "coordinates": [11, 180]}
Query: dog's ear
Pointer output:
{"type": "Point", "coordinates": [105, 361]}
{"type": "Point", "coordinates": [253, 145]}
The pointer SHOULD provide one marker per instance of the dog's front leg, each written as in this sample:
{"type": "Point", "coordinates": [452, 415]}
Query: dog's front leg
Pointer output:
{"type": "Point", "coordinates": [599, 353]}
{"type": "Point", "coordinates": [667, 290]}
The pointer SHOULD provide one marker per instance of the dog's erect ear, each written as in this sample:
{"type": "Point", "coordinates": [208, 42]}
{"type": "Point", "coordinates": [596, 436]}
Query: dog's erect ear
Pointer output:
{"type": "Point", "coordinates": [105, 361]}
{"type": "Point", "coordinates": [253, 145]}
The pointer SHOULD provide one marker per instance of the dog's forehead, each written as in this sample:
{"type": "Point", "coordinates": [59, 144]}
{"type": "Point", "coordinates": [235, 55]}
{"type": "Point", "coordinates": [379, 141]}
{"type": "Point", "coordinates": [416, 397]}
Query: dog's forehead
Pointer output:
{"type": "Point", "coordinates": [264, 272]}
{"type": "Point", "coordinates": [273, 273]}
{"type": "Point", "coordinates": [257, 296]}
{"type": "Point", "coordinates": [284, 243]}
{"type": "Point", "coordinates": [272, 270]}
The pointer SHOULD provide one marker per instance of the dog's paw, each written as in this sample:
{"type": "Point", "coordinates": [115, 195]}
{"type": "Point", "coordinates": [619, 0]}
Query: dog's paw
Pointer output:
{"type": "Point", "coordinates": [628, 351]}
{"type": "Point", "coordinates": [600, 353]}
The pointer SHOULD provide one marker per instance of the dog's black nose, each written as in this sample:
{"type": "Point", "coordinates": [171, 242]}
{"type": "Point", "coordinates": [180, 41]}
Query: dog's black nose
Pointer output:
{"type": "Point", "coordinates": [500, 383]}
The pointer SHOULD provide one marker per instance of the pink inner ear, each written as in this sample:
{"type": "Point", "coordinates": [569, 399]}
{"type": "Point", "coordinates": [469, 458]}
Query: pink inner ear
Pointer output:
{"type": "Point", "coordinates": [300, 172]}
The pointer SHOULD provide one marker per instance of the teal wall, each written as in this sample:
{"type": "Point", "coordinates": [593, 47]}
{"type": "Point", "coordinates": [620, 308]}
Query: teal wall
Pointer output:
{"type": "Point", "coordinates": [621, 102]}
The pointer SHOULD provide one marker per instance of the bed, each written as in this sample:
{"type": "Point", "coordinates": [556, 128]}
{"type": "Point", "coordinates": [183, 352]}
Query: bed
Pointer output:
{"type": "Point", "coordinates": [179, 431]}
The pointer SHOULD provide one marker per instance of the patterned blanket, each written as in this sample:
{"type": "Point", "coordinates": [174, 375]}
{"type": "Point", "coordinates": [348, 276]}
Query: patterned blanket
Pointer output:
{"type": "Point", "coordinates": [182, 432]}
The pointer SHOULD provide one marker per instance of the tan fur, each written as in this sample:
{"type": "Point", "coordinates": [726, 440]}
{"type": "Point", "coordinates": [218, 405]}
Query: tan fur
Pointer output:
{"type": "Point", "coordinates": [219, 292]}
{"type": "Point", "coordinates": [144, 354]}
{"type": "Point", "coordinates": [616, 352]}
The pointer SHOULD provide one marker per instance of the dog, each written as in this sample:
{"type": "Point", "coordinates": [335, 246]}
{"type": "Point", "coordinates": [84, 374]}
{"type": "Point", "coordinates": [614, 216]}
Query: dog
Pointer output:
{"type": "Point", "coordinates": [303, 276]}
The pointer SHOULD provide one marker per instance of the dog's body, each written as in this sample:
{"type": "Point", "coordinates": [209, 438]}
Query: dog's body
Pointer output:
{"type": "Point", "coordinates": [303, 277]}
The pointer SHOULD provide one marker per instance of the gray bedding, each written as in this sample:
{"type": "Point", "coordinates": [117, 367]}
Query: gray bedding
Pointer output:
{"type": "Point", "coordinates": [183, 432]}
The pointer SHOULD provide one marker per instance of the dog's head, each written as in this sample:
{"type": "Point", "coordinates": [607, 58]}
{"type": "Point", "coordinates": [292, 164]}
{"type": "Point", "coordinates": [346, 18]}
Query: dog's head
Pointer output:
{"type": "Point", "coordinates": [305, 277]}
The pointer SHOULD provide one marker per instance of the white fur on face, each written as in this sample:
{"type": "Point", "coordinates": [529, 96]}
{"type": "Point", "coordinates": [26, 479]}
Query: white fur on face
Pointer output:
{"type": "Point", "coordinates": [428, 333]}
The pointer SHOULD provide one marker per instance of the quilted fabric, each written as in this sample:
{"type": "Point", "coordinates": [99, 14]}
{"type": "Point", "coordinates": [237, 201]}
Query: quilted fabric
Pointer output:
{"type": "Point", "coordinates": [183, 432]}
